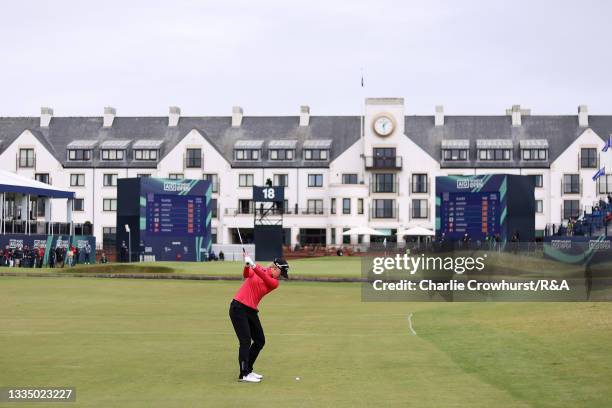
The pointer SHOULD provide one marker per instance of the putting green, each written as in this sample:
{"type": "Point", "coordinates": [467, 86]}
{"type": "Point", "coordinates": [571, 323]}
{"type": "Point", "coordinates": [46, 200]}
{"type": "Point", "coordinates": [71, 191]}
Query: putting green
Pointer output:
{"type": "Point", "coordinates": [150, 343]}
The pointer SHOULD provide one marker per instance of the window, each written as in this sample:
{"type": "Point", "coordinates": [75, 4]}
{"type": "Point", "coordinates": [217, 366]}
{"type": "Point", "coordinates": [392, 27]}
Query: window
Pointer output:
{"type": "Point", "coordinates": [384, 183]}
{"type": "Point", "coordinates": [588, 158]}
{"type": "Point", "coordinates": [78, 204]}
{"type": "Point", "coordinates": [213, 207]}
{"type": "Point", "coordinates": [40, 207]}
{"type": "Point", "coordinates": [281, 154]}
{"type": "Point", "coordinates": [281, 180]}
{"type": "Point", "coordinates": [419, 183]}
{"type": "Point", "coordinates": [535, 154]}
{"type": "Point", "coordinates": [110, 180]}
{"type": "Point", "coordinates": [109, 230]}
{"type": "Point", "coordinates": [571, 184]}
{"type": "Point", "coordinates": [539, 180]}
{"type": "Point", "coordinates": [316, 154]}
{"type": "Point", "coordinates": [77, 180]}
{"type": "Point", "coordinates": [360, 206]}
{"type": "Point", "coordinates": [42, 177]}
{"type": "Point", "coordinates": [26, 158]}
{"type": "Point", "coordinates": [113, 154]}
{"type": "Point", "coordinates": [315, 180]}
{"type": "Point", "coordinates": [109, 204]}
{"type": "Point", "coordinates": [246, 154]}
{"type": "Point", "coordinates": [143, 175]}
{"type": "Point", "coordinates": [79, 154]}
{"type": "Point", "coordinates": [193, 158]}
{"type": "Point", "coordinates": [213, 235]}
{"type": "Point", "coordinates": [604, 184]}
{"type": "Point", "coordinates": [314, 207]}
{"type": "Point", "coordinates": [333, 236]}
{"type": "Point", "coordinates": [349, 178]}
{"type": "Point", "coordinates": [495, 154]}
{"type": "Point", "coordinates": [455, 154]}
{"type": "Point", "coordinates": [145, 154]}
{"type": "Point", "coordinates": [346, 239]}
{"type": "Point", "coordinates": [176, 176]}
{"type": "Point", "coordinates": [419, 209]}
{"type": "Point", "coordinates": [214, 180]}
{"type": "Point", "coordinates": [571, 209]}
{"type": "Point", "coordinates": [383, 209]}
{"type": "Point", "coordinates": [333, 206]}
{"type": "Point", "coordinates": [346, 206]}
{"type": "Point", "coordinates": [245, 180]}
{"type": "Point", "coordinates": [539, 206]}
{"type": "Point", "coordinates": [246, 207]}
{"type": "Point", "coordinates": [384, 157]}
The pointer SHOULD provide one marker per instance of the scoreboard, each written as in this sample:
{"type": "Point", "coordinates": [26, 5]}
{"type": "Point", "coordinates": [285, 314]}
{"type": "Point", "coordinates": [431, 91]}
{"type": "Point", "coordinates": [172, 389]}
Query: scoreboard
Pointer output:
{"type": "Point", "coordinates": [485, 205]}
{"type": "Point", "coordinates": [477, 214]}
{"type": "Point", "coordinates": [175, 214]}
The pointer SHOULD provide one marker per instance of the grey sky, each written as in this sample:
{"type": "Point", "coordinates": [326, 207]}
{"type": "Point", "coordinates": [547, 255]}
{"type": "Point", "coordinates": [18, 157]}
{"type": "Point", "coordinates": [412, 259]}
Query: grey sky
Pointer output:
{"type": "Point", "coordinates": [476, 57]}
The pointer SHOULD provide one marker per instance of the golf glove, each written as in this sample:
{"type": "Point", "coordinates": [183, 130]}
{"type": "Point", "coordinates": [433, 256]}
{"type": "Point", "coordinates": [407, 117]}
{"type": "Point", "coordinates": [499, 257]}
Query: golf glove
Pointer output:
{"type": "Point", "coordinates": [249, 261]}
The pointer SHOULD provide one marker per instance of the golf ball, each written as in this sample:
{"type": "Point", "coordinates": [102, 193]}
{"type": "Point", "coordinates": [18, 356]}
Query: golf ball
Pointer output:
{"type": "Point", "coordinates": [297, 378]}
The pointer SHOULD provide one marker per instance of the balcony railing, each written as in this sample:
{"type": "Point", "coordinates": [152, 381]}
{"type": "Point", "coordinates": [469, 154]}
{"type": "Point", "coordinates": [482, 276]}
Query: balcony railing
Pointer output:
{"type": "Point", "coordinates": [42, 227]}
{"type": "Point", "coordinates": [389, 213]}
{"type": "Point", "coordinates": [383, 163]}
{"type": "Point", "coordinates": [379, 187]}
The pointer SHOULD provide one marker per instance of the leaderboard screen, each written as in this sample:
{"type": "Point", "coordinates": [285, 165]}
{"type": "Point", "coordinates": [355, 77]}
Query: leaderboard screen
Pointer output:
{"type": "Point", "coordinates": [175, 214]}
{"type": "Point", "coordinates": [474, 213]}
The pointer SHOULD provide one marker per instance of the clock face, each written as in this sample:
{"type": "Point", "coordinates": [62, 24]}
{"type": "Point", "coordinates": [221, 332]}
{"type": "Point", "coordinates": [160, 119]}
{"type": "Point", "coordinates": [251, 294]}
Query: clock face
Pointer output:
{"type": "Point", "coordinates": [383, 126]}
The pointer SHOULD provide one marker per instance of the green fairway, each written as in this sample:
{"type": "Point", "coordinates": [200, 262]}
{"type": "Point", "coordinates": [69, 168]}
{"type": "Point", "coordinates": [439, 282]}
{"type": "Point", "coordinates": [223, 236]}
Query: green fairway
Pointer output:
{"type": "Point", "coordinates": [153, 343]}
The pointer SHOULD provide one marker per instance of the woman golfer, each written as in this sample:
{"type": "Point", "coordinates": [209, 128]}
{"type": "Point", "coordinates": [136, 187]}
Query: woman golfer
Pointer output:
{"type": "Point", "coordinates": [259, 281]}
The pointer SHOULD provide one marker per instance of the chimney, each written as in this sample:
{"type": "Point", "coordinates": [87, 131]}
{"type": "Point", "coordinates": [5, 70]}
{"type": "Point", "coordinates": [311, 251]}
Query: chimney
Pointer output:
{"type": "Point", "coordinates": [236, 116]}
{"type": "Point", "coordinates": [439, 118]}
{"type": "Point", "coordinates": [517, 113]}
{"type": "Point", "coordinates": [109, 116]}
{"type": "Point", "coordinates": [174, 114]}
{"type": "Point", "coordinates": [583, 116]}
{"type": "Point", "coordinates": [304, 115]}
{"type": "Point", "coordinates": [45, 116]}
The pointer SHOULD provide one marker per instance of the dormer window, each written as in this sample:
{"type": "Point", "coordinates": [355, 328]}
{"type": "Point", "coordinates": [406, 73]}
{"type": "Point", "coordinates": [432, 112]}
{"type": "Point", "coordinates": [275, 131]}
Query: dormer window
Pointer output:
{"type": "Point", "coordinates": [282, 149]}
{"type": "Point", "coordinates": [80, 150]}
{"type": "Point", "coordinates": [534, 149]}
{"type": "Point", "coordinates": [146, 150]}
{"type": "Point", "coordinates": [317, 149]}
{"type": "Point", "coordinates": [247, 150]}
{"type": "Point", "coordinates": [113, 150]}
{"type": "Point", "coordinates": [455, 150]}
{"type": "Point", "coordinates": [494, 149]}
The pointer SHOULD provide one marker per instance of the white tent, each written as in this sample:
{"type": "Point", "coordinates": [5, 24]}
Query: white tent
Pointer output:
{"type": "Point", "coordinates": [416, 232]}
{"type": "Point", "coordinates": [363, 231]}
{"type": "Point", "coordinates": [15, 183]}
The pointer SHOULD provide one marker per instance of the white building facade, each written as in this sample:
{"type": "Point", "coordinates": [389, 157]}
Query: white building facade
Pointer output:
{"type": "Point", "coordinates": [339, 171]}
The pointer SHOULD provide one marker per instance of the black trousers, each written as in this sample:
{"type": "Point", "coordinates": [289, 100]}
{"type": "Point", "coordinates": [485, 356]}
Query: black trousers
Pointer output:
{"type": "Point", "coordinates": [250, 335]}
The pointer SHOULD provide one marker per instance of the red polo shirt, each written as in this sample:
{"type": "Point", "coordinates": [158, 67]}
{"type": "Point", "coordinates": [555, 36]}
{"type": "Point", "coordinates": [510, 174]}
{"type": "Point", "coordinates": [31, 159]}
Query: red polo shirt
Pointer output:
{"type": "Point", "coordinates": [257, 284]}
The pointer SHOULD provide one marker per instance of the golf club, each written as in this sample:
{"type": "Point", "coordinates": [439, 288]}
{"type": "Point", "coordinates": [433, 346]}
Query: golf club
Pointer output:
{"type": "Point", "coordinates": [241, 243]}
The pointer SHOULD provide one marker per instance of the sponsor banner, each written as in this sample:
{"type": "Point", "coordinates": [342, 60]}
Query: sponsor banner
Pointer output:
{"type": "Point", "coordinates": [48, 242]}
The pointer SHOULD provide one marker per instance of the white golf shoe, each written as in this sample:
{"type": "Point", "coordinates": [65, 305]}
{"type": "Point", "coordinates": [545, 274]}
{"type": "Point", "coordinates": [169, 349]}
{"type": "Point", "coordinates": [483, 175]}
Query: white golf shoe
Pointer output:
{"type": "Point", "coordinates": [250, 378]}
{"type": "Point", "coordinates": [258, 376]}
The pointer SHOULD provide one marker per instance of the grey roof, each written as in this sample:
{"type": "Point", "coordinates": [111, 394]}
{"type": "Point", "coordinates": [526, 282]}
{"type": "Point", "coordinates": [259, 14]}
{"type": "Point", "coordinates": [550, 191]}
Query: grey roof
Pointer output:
{"type": "Point", "coordinates": [534, 144]}
{"type": "Point", "coordinates": [318, 144]}
{"type": "Point", "coordinates": [456, 144]}
{"type": "Point", "coordinates": [147, 144]}
{"type": "Point", "coordinates": [115, 144]}
{"type": "Point", "coordinates": [82, 144]}
{"type": "Point", "coordinates": [282, 144]}
{"type": "Point", "coordinates": [494, 144]}
{"type": "Point", "coordinates": [248, 144]}
{"type": "Point", "coordinates": [559, 131]}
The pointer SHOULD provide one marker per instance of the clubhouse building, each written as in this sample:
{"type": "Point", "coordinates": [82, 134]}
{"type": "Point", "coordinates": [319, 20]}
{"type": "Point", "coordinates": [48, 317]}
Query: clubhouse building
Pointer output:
{"type": "Point", "coordinates": [339, 172]}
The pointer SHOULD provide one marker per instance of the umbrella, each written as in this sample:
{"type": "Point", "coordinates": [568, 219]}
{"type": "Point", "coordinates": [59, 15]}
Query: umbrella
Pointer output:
{"type": "Point", "coordinates": [416, 232]}
{"type": "Point", "coordinates": [363, 231]}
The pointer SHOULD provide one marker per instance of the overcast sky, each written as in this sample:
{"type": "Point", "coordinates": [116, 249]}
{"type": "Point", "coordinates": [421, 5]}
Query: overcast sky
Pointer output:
{"type": "Point", "coordinates": [270, 57]}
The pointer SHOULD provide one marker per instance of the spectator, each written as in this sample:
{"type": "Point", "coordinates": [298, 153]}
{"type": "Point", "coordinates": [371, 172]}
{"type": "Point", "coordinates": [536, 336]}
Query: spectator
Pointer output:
{"type": "Point", "coordinates": [103, 258]}
{"type": "Point", "coordinates": [221, 256]}
{"type": "Point", "coordinates": [87, 253]}
{"type": "Point", "coordinates": [70, 256]}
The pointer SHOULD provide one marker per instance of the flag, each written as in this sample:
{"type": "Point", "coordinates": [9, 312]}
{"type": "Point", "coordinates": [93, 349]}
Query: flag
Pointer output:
{"type": "Point", "coordinates": [607, 145]}
{"type": "Point", "coordinates": [600, 172]}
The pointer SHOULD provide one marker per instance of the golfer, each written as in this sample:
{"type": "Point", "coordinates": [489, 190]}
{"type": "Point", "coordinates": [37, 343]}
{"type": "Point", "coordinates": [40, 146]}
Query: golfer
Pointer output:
{"type": "Point", "coordinates": [259, 281]}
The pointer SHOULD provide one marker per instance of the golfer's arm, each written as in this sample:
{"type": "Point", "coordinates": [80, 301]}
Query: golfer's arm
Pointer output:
{"type": "Point", "coordinates": [263, 274]}
{"type": "Point", "coordinates": [247, 271]}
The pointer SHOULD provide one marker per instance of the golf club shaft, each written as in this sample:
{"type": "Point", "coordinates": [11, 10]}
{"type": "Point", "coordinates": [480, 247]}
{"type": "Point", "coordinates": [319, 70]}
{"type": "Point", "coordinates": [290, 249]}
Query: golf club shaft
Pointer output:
{"type": "Point", "coordinates": [241, 243]}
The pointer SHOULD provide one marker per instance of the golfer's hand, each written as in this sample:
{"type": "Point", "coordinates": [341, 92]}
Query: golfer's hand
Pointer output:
{"type": "Point", "coordinates": [248, 261]}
